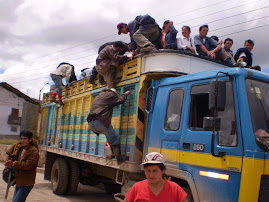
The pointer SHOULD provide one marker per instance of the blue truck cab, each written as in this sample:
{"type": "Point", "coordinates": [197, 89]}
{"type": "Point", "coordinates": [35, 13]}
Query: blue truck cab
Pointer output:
{"type": "Point", "coordinates": [212, 129]}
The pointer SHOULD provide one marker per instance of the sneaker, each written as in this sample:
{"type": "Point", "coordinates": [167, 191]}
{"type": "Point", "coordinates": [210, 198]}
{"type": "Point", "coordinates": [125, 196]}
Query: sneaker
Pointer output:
{"type": "Point", "coordinates": [241, 63]}
{"type": "Point", "coordinates": [147, 49]}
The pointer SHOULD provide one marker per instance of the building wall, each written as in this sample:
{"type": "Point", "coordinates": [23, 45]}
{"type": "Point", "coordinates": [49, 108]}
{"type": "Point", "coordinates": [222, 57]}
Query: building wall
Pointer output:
{"type": "Point", "coordinates": [9, 100]}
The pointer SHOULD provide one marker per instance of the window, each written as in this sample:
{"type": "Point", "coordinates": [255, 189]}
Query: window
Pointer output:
{"type": "Point", "coordinates": [14, 129]}
{"type": "Point", "coordinates": [199, 109]}
{"type": "Point", "coordinates": [174, 108]}
{"type": "Point", "coordinates": [199, 106]}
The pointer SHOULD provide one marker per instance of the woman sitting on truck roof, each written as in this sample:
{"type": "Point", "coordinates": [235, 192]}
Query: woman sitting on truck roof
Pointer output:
{"type": "Point", "coordinates": [155, 187]}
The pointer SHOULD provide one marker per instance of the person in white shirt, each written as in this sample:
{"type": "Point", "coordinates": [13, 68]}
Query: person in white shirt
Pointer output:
{"type": "Point", "coordinates": [186, 42]}
{"type": "Point", "coordinates": [85, 73]}
{"type": "Point", "coordinates": [64, 70]}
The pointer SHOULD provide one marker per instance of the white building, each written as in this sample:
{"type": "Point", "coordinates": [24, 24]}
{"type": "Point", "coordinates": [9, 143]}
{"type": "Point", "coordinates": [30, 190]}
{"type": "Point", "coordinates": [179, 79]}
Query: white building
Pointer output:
{"type": "Point", "coordinates": [11, 110]}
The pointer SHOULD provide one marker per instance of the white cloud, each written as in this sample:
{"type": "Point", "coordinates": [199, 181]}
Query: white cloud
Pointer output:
{"type": "Point", "coordinates": [33, 32]}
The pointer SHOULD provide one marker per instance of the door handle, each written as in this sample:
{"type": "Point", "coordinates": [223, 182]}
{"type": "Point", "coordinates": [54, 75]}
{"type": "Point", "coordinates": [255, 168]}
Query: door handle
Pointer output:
{"type": "Point", "coordinates": [186, 145]}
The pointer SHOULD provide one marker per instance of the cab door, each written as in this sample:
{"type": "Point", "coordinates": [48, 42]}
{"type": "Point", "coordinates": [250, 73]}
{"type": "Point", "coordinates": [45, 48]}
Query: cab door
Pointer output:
{"type": "Point", "coordinates": [216, 178]}
{"type": "Point", "coordinates": [164, 122]}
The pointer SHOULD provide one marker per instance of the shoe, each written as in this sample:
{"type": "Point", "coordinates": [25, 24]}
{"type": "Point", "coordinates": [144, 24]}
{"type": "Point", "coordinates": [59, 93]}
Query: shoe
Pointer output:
{"type": "Point", "coordinates": [92, 77]}
{"type": "Point", "coordinates": [101, 80]}
{"type": "Point", "coordinates": [148, 48]}
{"type": "Point", "coordinates": [60, 102]}
{"type": "Point", "coordinates": [241, 63]}
{"type": "Point", "coordinates": [53, 99]}
{"type": "Point", "coordinates": [117, 153]}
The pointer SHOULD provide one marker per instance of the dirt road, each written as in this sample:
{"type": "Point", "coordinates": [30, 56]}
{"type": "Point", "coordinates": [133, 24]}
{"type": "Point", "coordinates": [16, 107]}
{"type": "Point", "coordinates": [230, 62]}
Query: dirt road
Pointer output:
{"type": "Point", "coordinates": [42, 192]}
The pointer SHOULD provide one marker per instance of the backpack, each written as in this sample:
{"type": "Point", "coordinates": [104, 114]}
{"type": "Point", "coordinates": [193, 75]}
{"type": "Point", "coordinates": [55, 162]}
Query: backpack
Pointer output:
{"type": "Point", "coordinates": [9, 173]}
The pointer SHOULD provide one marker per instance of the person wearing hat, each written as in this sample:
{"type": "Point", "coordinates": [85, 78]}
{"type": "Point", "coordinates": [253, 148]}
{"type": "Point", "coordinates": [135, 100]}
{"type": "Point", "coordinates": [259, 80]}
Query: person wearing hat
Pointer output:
{"type": "Point", "coordinates": [100, 117]}
{"type": "Point", "coordinates": [155, 188]}
{"type": "Point", "coordinates": [144, 31]}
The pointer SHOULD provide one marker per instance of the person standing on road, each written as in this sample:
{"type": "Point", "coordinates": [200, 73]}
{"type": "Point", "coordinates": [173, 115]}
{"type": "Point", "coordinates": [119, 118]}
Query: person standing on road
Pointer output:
{"type": "Point", "coordinates": [155, 188]}
{"type": "Point", "coordinates": [100, 117]}
{"type": "Point", "coordinates": [26, 156]}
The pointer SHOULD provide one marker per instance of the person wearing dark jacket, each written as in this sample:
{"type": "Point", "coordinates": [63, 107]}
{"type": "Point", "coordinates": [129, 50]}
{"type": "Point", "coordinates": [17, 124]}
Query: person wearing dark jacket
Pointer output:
{"type": "Point", "coordinates": [107, 62]}
{"type": "Point", "coordinates": [144, 31]}
{"type": "Point", "coordinates": [94, 73]}
{"type": "Point", "coordinates": [23, 157]}
{"type": "Point", "coordinates": [100, 117]}
{"type": "Point", "coordinates": [244, 55]}
{"type": "Point", "coordinates": [169, 35]}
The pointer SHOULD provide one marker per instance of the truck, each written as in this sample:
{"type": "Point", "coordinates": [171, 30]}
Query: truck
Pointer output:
{"type": "Point", "coordinates": [209, 121]}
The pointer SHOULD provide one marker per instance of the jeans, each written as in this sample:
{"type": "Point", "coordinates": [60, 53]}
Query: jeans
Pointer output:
{"type": "Point", "coordinates": [21, 193]}
{"type": "Point", "coordinates": [111, 135]}
{"type": "Point", "coordinates": [58, 83]}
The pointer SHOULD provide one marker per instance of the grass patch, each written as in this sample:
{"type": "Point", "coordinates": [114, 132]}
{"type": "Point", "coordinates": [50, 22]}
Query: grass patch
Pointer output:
{"type": "Point", "coordinates": [8, 141]}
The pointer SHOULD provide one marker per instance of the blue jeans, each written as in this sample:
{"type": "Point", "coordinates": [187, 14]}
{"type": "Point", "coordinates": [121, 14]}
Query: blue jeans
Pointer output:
{"type": "Point", "coordinates": [21, 193]}
{"type": "Point", "coordinates": [111, 135]}
{"type": "Point", "coordinates": [58, 83]}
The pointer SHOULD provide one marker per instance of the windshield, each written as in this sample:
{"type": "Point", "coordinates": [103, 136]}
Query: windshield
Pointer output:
{"type": "Point", "coordinates": [258, 97]}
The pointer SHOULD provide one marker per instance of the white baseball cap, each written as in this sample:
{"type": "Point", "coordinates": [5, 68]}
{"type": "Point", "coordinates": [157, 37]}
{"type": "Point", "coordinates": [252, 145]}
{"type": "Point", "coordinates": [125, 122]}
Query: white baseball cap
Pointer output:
{"type": "Point", "coordinates": [114, 90]}
{"type": "Point", "coordinates": [153, 157]}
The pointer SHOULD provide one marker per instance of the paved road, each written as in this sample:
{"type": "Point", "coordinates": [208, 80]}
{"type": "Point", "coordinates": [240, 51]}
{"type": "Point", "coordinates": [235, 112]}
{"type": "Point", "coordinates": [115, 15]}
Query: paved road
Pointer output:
{"type": "Point", "coordinates": [42, 192]}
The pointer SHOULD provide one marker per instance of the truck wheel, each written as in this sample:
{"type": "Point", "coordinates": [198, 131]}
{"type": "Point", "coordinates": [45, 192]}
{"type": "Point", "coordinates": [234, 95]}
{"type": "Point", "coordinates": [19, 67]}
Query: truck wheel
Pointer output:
{"type": "Point", "coordinates": [112, 188]}
{"type": "Point", "coordinates": [73, 177]}
{"type": "Point", "coordinates": [188, 191]}
{"type": "Point", "coordinates": [59, 176]}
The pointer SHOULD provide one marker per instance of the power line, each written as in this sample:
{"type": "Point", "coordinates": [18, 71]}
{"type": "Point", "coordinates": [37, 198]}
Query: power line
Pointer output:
{"type": "Point", "coordinates": [234, 15]}
{"type": "Point", "coordinates": [126, 38]}
{"type": "Point", "coordinates": [207, 6]}
{"type": "Point", "coordinates": [245, 30]}
{"type": "Point", "coordinates": [219, 36]}
{"type": "Point", "coordinates": [221, 12]}
{"type": "Point", "coordinates": [238, 23]}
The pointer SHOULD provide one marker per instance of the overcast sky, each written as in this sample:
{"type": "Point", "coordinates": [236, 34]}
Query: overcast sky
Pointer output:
{"type": "Point", "coordinates": [35, 36]}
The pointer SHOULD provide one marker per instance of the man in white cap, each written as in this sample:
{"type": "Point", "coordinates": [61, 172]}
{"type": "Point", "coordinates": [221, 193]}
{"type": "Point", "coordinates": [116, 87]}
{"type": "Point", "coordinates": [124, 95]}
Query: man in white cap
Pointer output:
{"type": "Point", "coordinates": [155, 188]}
{"type": "Point", "coordinates": [100, 117]}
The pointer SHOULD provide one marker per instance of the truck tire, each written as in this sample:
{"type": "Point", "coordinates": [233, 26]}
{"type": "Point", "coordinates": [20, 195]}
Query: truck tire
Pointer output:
{"type": "Point", "coordinates": [112, 188]}
{"type": "Point", "coordinates": [59, 176]}
{"type": "Point", "coordinates": [73, 177]}
{"type": "Point", "coordinates": [188, 191]}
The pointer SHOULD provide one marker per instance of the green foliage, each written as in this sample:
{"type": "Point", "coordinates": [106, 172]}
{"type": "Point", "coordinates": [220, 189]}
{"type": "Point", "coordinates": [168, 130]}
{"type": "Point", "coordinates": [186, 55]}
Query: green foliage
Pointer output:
{"type": "Point", "coordinates": [8, 141]}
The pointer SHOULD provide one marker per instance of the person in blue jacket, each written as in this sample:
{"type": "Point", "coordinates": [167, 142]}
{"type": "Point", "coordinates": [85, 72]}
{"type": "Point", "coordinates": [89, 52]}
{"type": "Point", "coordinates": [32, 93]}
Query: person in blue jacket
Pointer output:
{"type": "Point", "coordinates": [169, 35]}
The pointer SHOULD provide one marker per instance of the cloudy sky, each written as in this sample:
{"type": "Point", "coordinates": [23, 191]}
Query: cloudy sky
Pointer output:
{"type": "Point", "coordinates": [35, 36]}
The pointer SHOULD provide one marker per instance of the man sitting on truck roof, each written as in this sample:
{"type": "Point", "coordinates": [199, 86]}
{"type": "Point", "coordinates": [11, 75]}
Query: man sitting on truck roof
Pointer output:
{"type": "Point", "coordinates": [144, 32]}
{"type": "Point", "coordinates": [155, 187]}
{"type": "Point", "coordinates": [210, 48]}
{"type": "Point", "coordinates": [100, 117]}
{"type": "Point", "coordinates": [94, 73]}
{"type": "Point", "coordinates": [244, 56]}
{"type": "Point", "coordinates": [107, 62]}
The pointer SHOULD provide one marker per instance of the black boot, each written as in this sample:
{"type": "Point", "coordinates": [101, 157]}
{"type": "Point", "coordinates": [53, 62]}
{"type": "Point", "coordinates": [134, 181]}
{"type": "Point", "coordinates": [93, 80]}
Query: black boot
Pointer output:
{"type": "Point", "coordinates": [113, 70]}
{"type": "Point", "coordinates": [101, 80]}
{"type": "Point", "coordinates": [117, 154]}
{"type": "Point", "coordinates": [92, 77]}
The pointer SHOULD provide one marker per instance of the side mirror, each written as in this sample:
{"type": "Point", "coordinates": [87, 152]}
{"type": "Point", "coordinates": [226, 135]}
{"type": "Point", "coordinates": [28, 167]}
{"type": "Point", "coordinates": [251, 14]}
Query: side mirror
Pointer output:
{"type": "Point", "coordinates": [217, 93]}
{"type": "Point", "coordinates": [208, 124]}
